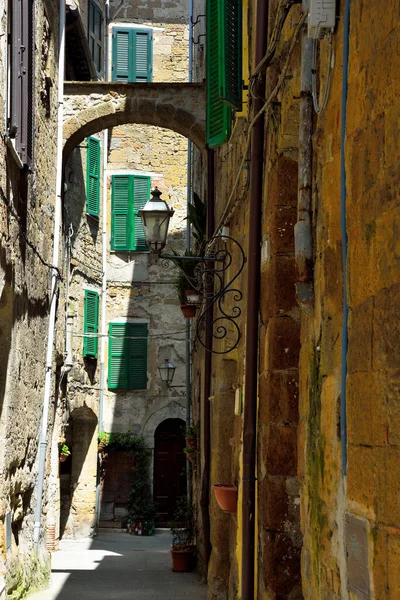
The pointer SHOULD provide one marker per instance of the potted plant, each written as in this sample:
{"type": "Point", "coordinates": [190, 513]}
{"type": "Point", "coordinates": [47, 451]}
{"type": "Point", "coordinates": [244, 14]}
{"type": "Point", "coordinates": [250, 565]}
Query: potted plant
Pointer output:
{"type": "Point", "coordinates": [191, 436]}
{"type": "Point", "coordinates": [191, 453]}
{"type": "Point", "coordinates": [104, 439]}
{"type": "Point", "coordinates": [226, 496]}
{"type": "Point", "coordinates": [182, 527]}
{"type": "Point", "coordinates": [64, 453]}
{"type": "Point", "coordinates": [181, 284]}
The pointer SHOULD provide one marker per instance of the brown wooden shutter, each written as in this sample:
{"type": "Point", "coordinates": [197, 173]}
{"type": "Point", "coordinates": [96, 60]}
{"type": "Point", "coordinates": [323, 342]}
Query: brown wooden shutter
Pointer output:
{"type": "Point", "coordinates": [23, 75]}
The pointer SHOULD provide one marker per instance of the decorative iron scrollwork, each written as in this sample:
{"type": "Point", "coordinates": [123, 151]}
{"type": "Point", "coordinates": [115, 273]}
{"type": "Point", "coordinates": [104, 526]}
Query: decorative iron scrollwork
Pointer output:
{"type": "Point", "coordinates": [219, 294]}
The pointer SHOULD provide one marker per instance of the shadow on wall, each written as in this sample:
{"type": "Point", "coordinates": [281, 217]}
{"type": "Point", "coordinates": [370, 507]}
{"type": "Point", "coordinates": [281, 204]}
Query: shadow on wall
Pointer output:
{"type": "Point", "coordinates": [75, 196]}
{"type": "Point", "coordinates": [77, 484]}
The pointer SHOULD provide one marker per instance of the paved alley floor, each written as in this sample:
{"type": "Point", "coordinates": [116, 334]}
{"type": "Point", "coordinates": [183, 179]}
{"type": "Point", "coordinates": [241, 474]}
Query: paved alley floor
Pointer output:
{"type": "Point", "coordinates": [118, 566]}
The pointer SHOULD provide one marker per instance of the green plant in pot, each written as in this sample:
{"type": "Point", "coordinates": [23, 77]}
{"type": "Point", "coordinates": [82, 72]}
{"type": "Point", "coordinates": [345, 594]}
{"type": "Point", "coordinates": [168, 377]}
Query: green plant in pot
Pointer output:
{"type": "Point", "coordinates": [183, 529]}
{"type": "Point", "coordinates": [64, 453]}
{"type": "Point", "coordinates": [191, 436]}
{"type": "Point", "coordinates": [182, 287]}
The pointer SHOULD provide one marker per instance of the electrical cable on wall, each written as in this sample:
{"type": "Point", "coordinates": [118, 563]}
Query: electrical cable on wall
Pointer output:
{"type": "Point", "coordinates": [319, 108]}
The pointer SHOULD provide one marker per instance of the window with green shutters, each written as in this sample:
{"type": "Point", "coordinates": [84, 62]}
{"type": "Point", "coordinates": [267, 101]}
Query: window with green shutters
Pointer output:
{"type": "Point", "coordinates": [224, 67]}
{"type": "Point", "coordinates": [127, 356]}
{"type": "Point", "coordinates": [132, 54]}
{"type": "Point", "coordinates": [129, 193]}
{"type": "Point", "coordinates": [91, 323]}
{"type": "Point", "coordinates": [95, 34]}
{"type": "Point", "coordinates": [93, 176]}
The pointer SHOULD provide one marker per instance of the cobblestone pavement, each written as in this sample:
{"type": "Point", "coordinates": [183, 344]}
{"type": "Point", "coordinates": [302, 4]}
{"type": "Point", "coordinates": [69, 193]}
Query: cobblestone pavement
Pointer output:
{"type": "Point", "coordinates": [117, 566]}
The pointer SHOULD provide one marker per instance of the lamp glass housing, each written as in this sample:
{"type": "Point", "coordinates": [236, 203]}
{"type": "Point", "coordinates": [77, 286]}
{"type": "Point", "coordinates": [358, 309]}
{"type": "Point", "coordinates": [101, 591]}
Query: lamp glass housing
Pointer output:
{"type": "Point", "coordinates": [155, 216]}
{"type": "Point", "coordinates": [167, 372]}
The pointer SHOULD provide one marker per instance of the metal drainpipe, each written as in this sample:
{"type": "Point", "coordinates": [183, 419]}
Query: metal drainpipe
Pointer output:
{"type": "Point", "coordinates": [303, 227]}
{"type": "Point", "coordinates": [343, 227]}
{"type": "Point", "coordinates": [104, 273]}
{"type": "Point", "coordinates": [252, 323]}
{"type": "Point", "coordinates": [53, 287]}
{"type": "Point", "coordinates": [189, 199]}
{"type": "Point", "coordinates": [205, 487]}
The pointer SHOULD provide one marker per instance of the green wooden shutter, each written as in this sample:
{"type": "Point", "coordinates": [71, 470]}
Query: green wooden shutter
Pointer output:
{"type": "Point", "coordinates": [218, 113]}
{"type": "Point", "coordinates": [95, 34]}
{"type": "Point", "coordinates": [230, 52]}
{"type": "Point", "coordinates": [137, 365]}
{"type": "Point", "coordinates": [118, 356]}
{"type": "Point", "coordinates": [121, 52]}
{"type": "Point", "coordinates": [142, 51]}
{"type": "Point", "coordinates": [93, 176]}
{"type": "Point", "coordinates": [121, 213]}
{"type": "Point", "coordinates": [141, 193]}
{"type": "Point", "coordinates": [132, 55]}
{"type": "Point", "coordinates": [91, 323]}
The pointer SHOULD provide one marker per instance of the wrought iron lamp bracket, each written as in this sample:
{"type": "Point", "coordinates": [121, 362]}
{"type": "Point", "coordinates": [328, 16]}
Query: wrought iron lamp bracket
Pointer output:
{"type": "Point", "coordinates": [209, 282]}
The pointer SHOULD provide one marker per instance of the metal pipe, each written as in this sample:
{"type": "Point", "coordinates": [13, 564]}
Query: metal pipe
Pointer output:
{"type": "Point", "coordinates": [103, 339]}
{"type": "Point", "coordinates": [53, 285]}
{"type": "Point", "coordinates": [205, 484]}
{"type": "Point", "coordinates": [303, 228]}
{"type": "Point", "coordinates": [252, 322]}
{"type": "Point", "coordinates": [343, 227]}
{"type": "Point", "coordinates": [189, 199]}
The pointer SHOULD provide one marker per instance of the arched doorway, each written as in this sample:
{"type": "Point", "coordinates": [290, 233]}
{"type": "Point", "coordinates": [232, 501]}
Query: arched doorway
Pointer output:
{"type": "Point", "coordinates": [169, 468]}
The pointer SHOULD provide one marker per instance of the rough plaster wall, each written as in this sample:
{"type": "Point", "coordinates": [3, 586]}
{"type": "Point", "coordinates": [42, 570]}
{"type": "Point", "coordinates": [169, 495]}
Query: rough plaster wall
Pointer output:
{"type": "Point", "coordinates": [24, 309]}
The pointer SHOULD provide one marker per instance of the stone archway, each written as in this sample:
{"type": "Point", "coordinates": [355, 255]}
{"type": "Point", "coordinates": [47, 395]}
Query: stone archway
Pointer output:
{"type": "Point", "coordinates": [90, 107]}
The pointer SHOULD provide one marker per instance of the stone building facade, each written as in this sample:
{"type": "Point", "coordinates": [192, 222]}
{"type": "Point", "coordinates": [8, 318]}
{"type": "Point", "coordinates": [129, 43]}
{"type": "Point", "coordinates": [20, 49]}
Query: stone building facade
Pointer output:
{"type": "Point", "coordinates": [27, 199]}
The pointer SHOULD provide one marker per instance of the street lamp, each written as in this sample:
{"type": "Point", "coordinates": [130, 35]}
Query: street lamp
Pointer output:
{"type": "Point", "coordinates": [155, 216]}
{"type": "Point", "coordinates": [167, 372]}
{"type": "Point", "coordinates": [214, 262]}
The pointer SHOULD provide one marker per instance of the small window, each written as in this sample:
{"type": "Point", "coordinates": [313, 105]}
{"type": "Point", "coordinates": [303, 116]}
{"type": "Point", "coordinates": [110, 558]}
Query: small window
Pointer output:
{"type": "Point", "coordinates": [93, 176]}
{"type": "Point", "coordinates": [95, 35]}
{"type": "Point", "coordinates": [132, 55]}
{"type": "Point", "coordinates": [127, 362]}
{"type": "Point", "coordinates": [91, 324]}
{"type": "Point", "coordinates": [21, 54]}
{"type": "Point", "coordinates": [129, 193]}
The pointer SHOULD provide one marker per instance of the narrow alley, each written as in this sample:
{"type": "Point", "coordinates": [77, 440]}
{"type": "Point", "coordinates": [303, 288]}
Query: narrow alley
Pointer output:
{"type": "Point", "coordinates": [117, 566]}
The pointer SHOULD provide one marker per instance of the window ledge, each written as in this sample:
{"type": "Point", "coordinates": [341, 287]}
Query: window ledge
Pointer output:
{"type": "Point", "coordinates": [10, 145]}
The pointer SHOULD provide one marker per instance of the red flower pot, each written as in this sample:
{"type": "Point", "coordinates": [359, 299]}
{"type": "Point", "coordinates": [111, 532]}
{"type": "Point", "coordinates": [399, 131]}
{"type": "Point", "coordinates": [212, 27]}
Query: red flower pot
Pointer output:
{"type": "Point", "coordinates": [183, 558]}
{"type": "Point", "coordinates": [191, 443]}
{"type": "Point", "coordinates": [226, 496]}
{"type": "Point", "coordinates": [188, 310]}
{"type": "Point", "coordinates": [63, 457]}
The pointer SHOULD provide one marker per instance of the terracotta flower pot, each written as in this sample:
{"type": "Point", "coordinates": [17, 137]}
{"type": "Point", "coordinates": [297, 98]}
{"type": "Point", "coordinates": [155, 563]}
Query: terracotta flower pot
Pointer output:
{"type": "Point", "coordinates": [226, 496]}
{"type": "Point", "coordinates": [188, 310]}
{"type": "Point", "coordinates": [100, 448]}
{"type": "Point", "coordinates": [63, 457]}
{"type": "Point", "coordinates": [193, 296]}
{"type": "Point", "coordinates": [183, 559]}
{"type": "Point", "coordinates": [191, 443]}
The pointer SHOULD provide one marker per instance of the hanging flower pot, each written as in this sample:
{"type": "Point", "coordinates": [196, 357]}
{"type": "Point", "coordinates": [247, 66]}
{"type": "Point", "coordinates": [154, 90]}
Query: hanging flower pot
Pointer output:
{"type": "Point", "coordinates": [188, 310]}
{"type": "Point", "coordinates": [226, 496]}
{"type": "Point", "coordinates": [63, 457]}
{"type": "Point", "coordinates": [191, 442]}
{"type": "Point", "coordinates": [193, 296]}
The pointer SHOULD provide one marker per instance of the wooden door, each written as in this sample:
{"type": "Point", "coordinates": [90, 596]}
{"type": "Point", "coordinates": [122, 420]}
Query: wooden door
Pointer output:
{"type": "Point", "coordinates": [116, 483]}
{"type": "Point", "coordinates": [169, 468]}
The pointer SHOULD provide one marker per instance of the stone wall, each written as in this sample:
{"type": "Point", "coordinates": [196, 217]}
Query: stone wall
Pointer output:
{"type": "Point", "coordinates": [26, 225]}
{"type": "Point", "coordinates": [371, 151]}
